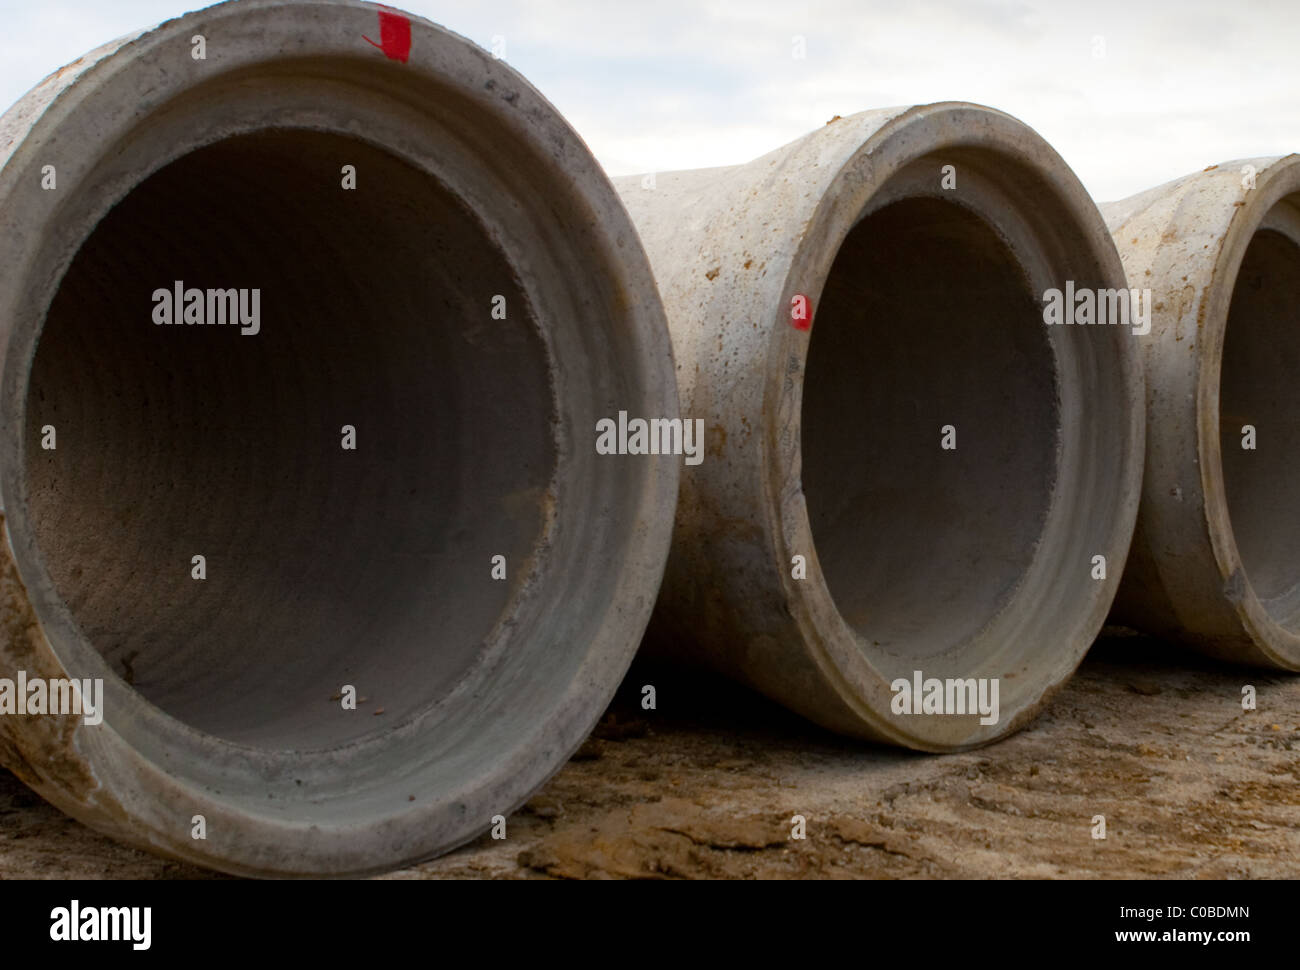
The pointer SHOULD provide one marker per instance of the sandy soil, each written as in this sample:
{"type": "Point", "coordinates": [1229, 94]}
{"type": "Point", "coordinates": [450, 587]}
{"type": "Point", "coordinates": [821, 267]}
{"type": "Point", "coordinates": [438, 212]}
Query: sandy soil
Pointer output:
{"type": "Point", "coordinates": [705, 786]}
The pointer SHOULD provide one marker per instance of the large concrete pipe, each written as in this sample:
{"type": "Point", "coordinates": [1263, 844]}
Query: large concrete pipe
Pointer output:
{"type": "Point", "coordinates": [402, 416]}
{"type": "Point", "coordinates": [1216, 554]}
{"type": "Point", "coordinates": [910, 478]}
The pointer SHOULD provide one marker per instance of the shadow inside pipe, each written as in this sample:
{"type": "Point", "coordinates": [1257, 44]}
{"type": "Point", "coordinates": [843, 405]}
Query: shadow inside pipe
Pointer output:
{"type": "Point", "coordinates": [337, 466]}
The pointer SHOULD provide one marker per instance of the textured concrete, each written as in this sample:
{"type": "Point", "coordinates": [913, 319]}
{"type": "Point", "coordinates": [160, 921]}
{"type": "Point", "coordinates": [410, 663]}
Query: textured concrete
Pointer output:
{"type": "Point", "coordinates": [1215, 560]}
{"type": "Point", "coordinates": [324, 567]}
{"type": "Point", "coordinates": [825, 442]}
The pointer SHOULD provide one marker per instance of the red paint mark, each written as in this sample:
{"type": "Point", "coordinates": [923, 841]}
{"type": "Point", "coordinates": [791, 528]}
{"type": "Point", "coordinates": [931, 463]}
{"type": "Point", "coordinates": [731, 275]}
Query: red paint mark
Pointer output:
{"type": "Point", "coordinates": [801, 312]}
{"type": "Point", "coordinates": [394, 36]}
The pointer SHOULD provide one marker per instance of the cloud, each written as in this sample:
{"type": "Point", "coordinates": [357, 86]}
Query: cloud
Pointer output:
{"type": "Point", "coordinates": [690, 83]}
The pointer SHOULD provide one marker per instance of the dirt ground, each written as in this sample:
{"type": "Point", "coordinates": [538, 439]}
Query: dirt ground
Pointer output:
{"type": "Point", "coordinates": [1153, 738]}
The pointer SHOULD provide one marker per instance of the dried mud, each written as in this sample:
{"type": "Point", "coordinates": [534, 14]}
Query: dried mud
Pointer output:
{"type": "Point", "coordinates": [706, 786]}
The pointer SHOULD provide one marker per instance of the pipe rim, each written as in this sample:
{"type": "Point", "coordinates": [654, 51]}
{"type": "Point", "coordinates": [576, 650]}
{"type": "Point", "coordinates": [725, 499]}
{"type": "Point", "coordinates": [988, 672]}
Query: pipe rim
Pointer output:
{"type": "Point", "coordinates": [1277, 645]}
{"type": "Point", "coordinates": [859, 682]}
{"type": "Point", "coordinates": [108, 781]}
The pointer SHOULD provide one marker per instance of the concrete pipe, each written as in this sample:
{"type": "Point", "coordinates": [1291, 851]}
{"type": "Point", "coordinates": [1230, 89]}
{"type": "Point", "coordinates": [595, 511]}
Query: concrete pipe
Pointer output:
{"type": "Point", "coordinates": [1216, 554]}
{"type": "Point", "coordinates": [916, 496]}
{"type": "Point", "coordinates": [368, 476]}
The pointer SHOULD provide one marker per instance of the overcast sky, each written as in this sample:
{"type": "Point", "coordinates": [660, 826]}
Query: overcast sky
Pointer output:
{"type": "Point", "coordinates": [1131, 93]}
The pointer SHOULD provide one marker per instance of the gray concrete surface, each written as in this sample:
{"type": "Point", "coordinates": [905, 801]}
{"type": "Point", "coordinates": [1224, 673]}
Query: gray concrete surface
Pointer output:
{"type": "Point", "coordinates": [826, 443]}
{"type": "Point", "coordinates": [324, 566]}
{"type": "Point", "coordinates": [1214, 559]}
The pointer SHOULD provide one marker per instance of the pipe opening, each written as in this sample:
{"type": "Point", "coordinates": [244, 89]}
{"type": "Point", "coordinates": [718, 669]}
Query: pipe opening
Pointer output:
{"type": "Point", "coordinates": [927, 320]}
{"type": "Point", "coordinates": [1258, 387]}
{"type": "Point", "coordinates": [324, 566]}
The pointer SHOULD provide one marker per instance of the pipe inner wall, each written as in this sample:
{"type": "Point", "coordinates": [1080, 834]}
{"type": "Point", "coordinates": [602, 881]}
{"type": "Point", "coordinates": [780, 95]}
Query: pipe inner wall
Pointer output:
{"type": "Point", "coordinates": [927, 320]}
{"type": "Point", "coordinates": [1258, 387]}
{"type": "Point", "coordinates": [347, 566]}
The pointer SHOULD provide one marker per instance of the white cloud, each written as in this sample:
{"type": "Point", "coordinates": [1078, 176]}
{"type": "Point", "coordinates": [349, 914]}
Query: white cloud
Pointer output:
{"type": "Point", "coordinates": [688, 83]}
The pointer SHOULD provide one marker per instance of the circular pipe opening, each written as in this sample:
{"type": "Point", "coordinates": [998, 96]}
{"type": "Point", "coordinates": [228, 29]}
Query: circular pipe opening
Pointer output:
{"type": "Point", "coordinates": [1258, 388]}
{"type": "Point", "coordinates": [930, 421]}
{"type": "Point", "coordinates": [324, 565]}
{"type": "Point", "coordinates": [471, 309]}
{"type": "Point", "coordinates": [969, 469]}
